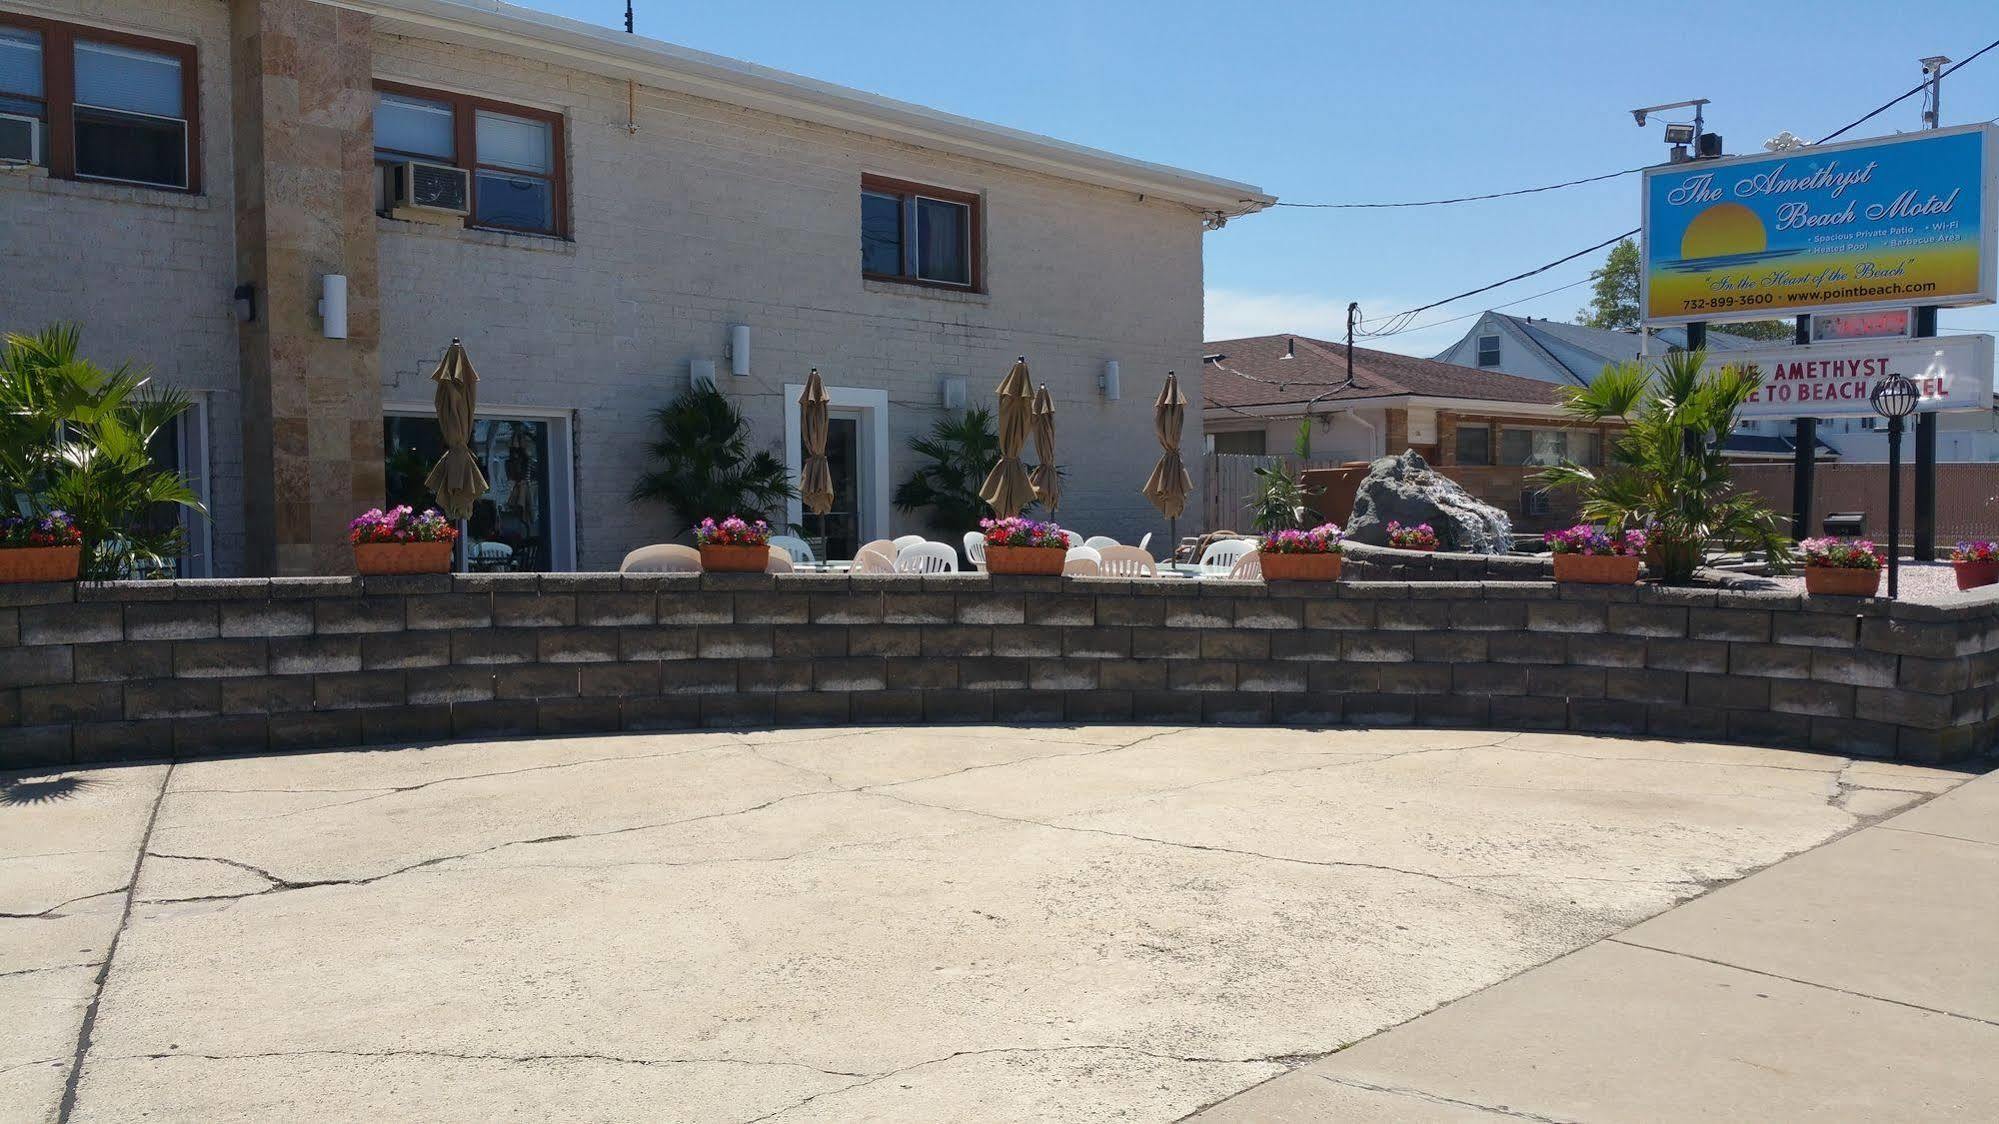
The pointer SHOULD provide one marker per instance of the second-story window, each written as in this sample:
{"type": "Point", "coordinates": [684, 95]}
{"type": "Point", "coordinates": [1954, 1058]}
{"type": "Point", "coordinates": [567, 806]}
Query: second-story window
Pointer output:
{"type": "Point", "coordinates": [102, 105]}
{"type": "Point", "coordinates": [925, 235]}
{"type": "Point", "coordinates": [1488, 351]}
{"type": "Point", "coordinates": [510, 154]}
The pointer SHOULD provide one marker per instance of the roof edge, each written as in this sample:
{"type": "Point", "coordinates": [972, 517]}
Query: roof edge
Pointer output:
{"type": "Point", "coordinates": [518, 30]}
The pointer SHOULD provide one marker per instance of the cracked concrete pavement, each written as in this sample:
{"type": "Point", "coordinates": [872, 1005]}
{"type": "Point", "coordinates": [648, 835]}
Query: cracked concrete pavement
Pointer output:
{"type": "Point", "coordinates": [1062, 923]}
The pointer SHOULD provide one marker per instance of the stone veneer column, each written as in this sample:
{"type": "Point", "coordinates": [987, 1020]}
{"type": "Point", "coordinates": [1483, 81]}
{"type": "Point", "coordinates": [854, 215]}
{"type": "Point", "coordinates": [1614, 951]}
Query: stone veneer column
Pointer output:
{"type": "Point", "coordinates": [312, 407]}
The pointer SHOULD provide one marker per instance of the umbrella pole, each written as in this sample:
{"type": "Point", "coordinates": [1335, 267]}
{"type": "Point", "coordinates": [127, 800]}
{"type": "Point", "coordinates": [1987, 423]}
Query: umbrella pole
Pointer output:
{"type": "Point", "coordinates": [1173, 541]}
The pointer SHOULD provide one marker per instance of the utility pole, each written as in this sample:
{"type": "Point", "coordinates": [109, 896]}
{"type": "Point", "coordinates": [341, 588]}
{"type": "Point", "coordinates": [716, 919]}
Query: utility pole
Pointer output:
{"type": "Point", "coordinates": [1925, 324]}
{"type": "Point", "coordinates": [1353, 313]}
{"type": "Point", "coordinates": [628, 17]}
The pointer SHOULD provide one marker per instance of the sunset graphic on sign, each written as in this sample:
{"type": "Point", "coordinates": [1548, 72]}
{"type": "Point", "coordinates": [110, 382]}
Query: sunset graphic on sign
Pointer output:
{"type": "Point", "coordinates": [1723, 230]}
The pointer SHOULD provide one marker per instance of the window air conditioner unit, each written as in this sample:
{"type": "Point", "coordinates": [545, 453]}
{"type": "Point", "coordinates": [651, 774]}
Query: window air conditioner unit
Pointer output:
{"type": "Point", "coordinates": [20, 140]}
{"type": "Point", "coordinates": [438, 189]}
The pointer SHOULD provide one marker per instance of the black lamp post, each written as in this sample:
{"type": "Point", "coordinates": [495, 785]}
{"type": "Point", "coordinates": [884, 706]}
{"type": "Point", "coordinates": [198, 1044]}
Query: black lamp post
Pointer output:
{"type": "Point", "coordinates": [1894, 398]}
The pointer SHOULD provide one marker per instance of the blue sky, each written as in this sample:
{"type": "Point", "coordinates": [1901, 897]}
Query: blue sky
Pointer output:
{"type": "Point", "coordinates": [1338, 102]}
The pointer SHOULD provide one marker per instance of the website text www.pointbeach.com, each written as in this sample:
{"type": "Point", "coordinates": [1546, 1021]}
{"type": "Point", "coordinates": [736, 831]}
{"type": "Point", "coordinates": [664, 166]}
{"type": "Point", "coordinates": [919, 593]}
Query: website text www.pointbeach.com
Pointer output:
{"type": "Point", "coordinates": [1822, 296]}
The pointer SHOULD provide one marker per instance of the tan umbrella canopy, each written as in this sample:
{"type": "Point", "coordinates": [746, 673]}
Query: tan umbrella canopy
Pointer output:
{"type": "Point", "coordinates": [1007, 490]}
{"type": "Point", "coordinates": [456, 481]}
{"type": "Point", "coordinates": [815, 477]}
{"type": "Point", "coordinates": [1169, 483]}
{"type": "Point", "coordinates": [1046, 478]}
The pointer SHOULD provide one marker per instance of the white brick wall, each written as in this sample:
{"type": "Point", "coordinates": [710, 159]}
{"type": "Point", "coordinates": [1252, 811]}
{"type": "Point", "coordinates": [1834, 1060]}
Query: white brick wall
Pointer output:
{"type": "Point", "coordinates": [714, 215]}
{"type": "Point", "coordinates": [148, 274]}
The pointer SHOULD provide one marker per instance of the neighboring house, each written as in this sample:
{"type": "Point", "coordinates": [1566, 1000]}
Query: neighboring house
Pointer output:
{"type": "Point", "coordinates": [1552, 351]}
{"type": "Point", "coordinates": [204, 166]}
{"type": "Point", "coordinates": [1488, 430]}
{"type": "Point", "coordinates": [1963, 436]}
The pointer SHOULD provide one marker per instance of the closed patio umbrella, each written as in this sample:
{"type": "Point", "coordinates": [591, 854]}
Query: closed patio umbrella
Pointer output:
{"type": "Point", "coordinates": [1007, 489]}
{"type": "Point", "coordinates": [1169, 483]}
{"type": "Point", "coordinates": [456, 480]}
{"type": "Point", "coordinates": [1046, 478]}
{"type": "Point", "coordinates": [815, 476]}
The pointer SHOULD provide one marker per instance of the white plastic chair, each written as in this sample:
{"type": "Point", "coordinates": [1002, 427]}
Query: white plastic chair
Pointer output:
{"type": "Point", "coordinates": [662, 558]}
{"type": "Point", "coordinates": [926, 558]}
{"type": "Point", "coordinates": [872, 559]}
{"type": "Point", "coordinates": [1248, 568]}
{"type": "Point", "coordinates": [975, 548]}
{"type": "Point", "coordinates": [1073, 538]}
{"type": "Point", "coordinates": [907, 540]}
{"type": "Point", "coordinates": [1223, 554]}
{"type": "Point", "coordinates": [1145, 542]}
{"type": "Point", "coordinates": [1127, 562]}
{"type": "Point", "coordinates": [1100, 541]}
{"type": "Point", "coordinates": [1082, 552]}
{"type": "Point", "coordinates": [779, 561]}
{"type": "Point", "coordinates": [797, 549]}
{"type": "Point", "coordinates": [1081, 568]}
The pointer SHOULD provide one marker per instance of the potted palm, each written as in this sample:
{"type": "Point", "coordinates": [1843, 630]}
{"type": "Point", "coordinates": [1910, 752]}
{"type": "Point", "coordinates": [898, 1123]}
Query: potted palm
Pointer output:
{"type": "Point", "coordinates": [1976, 562]}
{"type": "Point", "coordinates": [1665, 472]}
{"type": "Point", "coordinates": [40, 548]}
{"type": "Point", "coordinates": [1295, 555]}
{"type": "Point", "coordinates": [1420, 537]}
{"type": "Point", "coordinates": [1842, 567]}
{"type": "Point", "coordinates": [1592, 555]}
{"type": "Point", "coordinates": [1023, 546]}
{"type": "Point", "coordinates": [733, 546]}
{"type": "Point", "coordinates": [401, 541]}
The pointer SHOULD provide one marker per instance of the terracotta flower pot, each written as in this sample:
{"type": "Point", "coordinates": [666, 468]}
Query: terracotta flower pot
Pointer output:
{"type": "Point", "coordinates": [1301, 567]}
{"type": "Point", "coordinates": [1597, 569]}
{"type": "Point", "coordinates": [40, 563]}
{"type": "Point", "coordinates": [1971, 575]}
{"type": "Point", "coordinates": [1842, 581]}
{"type": "Point", "coordinates": [403, 557]}
{"type": "Point", "coordinates": [735, 559]}
{"type": "Point", "coordinates": [1025, 559]}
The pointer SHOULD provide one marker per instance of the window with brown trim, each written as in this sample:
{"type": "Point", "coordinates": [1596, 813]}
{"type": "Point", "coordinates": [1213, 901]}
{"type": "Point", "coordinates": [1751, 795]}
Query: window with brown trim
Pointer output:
{"type": "Point", "coordinates": [918, 234]}
{"type": "Point", "coordinates": [512, 156]}
{"type": "Point", "coordinates": [90, 104]}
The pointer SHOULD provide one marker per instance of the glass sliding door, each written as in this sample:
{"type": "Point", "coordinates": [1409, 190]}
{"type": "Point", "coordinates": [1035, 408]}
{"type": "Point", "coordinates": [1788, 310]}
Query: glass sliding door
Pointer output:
{"type": "Point", "coordinates": [837, 534]}
{"type": "Point", "coordinates": [521, 523]}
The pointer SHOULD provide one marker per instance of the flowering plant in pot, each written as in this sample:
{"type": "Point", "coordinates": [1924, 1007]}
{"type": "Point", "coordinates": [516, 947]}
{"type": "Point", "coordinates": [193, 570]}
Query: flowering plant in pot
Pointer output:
{"type": "Point", "coordinates": [734, 545]}
{"type": "Point", "coordinates": [1847, 567]}
{"type": "Point", "coordinates": [402, 541]}
{"type": "Point", "coordinates": [40, 548]}
{"type": "Point", "coordinates": [1023, 546]}
{"type": "Point", "coordinates": [1976, 562]}
{"type": "Point", "coordinates": [1595, 555]}
{"type": "Point", "coordinates": [1294, 555]}
{"type": "Point", "coordinates": [1420, 537]}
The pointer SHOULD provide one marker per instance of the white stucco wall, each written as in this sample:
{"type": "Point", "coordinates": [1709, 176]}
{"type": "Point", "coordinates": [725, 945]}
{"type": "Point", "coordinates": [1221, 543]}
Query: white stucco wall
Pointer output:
{"type": "Point", "coordinates": [713, 215]}
{"type": "Point", "coordinates": [148, 274]}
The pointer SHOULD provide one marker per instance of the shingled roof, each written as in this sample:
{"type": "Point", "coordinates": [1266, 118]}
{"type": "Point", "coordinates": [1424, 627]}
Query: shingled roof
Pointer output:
{"type": "Point", "coordinates": [1254, 372]}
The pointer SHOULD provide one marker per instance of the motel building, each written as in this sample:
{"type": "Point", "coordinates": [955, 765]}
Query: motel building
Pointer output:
{"type": "Point", "coordinates": [288, 209]}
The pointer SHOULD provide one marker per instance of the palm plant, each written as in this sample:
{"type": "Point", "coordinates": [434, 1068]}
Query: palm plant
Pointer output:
{"type": "Point", "coordinates": [703, 465]}
{"type": "Point", "coordinates": [1282, 501]}
{"type": "Point", "coordinates": [957, 453]}
{"type": "Point", "coordinates": [1665, 473]}
{"type": "Point", "coordinates": [75, 437]}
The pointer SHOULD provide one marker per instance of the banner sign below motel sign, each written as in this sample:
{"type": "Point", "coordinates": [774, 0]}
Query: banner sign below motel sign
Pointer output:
{"type": "Point", "coordinates": [1900, 221]}
{"type": "Point", "coordinates": [1832, 380]}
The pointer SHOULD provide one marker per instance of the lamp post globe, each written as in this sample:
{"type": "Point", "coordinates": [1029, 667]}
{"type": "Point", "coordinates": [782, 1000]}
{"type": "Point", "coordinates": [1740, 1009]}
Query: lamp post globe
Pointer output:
{"type": "Point", "coordinates": [1894, 398]}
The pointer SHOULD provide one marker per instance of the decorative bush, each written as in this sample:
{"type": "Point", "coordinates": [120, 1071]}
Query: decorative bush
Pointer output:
{"type": "Point", "coordinates": [1420, 537]}
{"type": "Point", "coordinates": [1976, 550]}
{"type": "Point", "coordinates": [1841, 554]}
{"type": "Point", "coordinates": [1593, 541]}
{"type": "Point", "coordinates": [733, 531]}
{"type": "Point", "coordinates": [1016, 531]}
{"type": "Point", "coordinates": [1322, 539]}
{"type": "Point", "coordinates": [400, 524]}
{"type": "Point", "coordinates": [54, 529]}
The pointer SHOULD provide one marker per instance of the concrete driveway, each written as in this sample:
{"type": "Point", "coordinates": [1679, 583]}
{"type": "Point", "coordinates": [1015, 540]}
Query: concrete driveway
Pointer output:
{"type": "Point", "coordinates": [1097, 923]}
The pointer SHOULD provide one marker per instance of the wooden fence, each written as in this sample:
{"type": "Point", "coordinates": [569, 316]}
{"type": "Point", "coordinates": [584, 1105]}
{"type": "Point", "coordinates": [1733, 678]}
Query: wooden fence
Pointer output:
{"type": "Point", "coordinates": [1230, 488]}
{"type": "Point", "coordinates": [1967, 496]}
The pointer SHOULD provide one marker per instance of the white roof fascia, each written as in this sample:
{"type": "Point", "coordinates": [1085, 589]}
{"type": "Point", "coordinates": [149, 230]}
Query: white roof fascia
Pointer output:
{"type": "Point", "coordinates": [573, 43]}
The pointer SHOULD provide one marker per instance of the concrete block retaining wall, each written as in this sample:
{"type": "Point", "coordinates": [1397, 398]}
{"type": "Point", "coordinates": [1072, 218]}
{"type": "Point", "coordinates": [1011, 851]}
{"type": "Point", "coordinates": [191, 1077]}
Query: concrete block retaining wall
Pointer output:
{"type": "Point", "coordinates": [157, 669]}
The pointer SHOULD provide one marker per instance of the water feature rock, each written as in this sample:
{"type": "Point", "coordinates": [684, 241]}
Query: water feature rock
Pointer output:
{"type": "Point", "coordinates": [1403, 489]}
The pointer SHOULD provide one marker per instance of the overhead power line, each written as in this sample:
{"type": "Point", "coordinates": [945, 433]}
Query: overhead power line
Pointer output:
{"type": "Point", "coordinates": [1461, 198]}
{"type": "Point", "coordinates": [1400, 322]}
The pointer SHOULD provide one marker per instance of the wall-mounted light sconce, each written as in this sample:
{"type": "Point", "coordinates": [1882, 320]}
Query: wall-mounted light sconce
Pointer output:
{"type": "Point", "coordinates": [701, 374]}
{"type": "Point", "coordinates": [1108, 381]}
{"type": "Point", "coordinates": [246, 303]}
{"type": "Point", "coordinates": [333, 306]}
{"type": "Point", "coordinates": [955, 395]}
{"type": "Point", "coordinates": [739, 350]}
